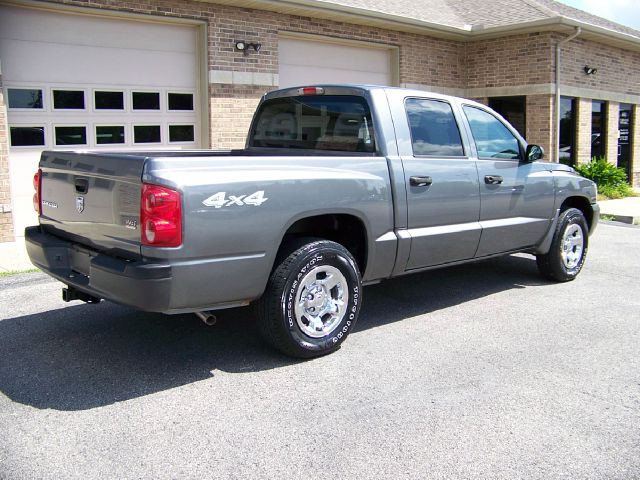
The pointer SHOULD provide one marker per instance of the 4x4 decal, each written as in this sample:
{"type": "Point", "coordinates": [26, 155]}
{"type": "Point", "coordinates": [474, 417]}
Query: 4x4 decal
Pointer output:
{"type": "Point", "coordinates": [219, 200]}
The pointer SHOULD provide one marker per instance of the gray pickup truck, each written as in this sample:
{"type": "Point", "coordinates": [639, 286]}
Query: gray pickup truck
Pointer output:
{"type": "Point", "coordinates": [338, 187]}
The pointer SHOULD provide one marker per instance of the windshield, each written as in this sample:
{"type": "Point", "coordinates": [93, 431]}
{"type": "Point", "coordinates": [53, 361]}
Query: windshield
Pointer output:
{"type": "Point", "coordinates": [319, 122]}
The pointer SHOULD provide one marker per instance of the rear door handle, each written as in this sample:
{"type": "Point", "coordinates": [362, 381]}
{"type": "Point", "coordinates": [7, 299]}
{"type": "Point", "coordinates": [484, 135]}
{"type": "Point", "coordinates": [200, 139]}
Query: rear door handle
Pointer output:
{"type": "Point", "coordinates": [82, 185]}
{"type": "Point", "coordinates": [492, 179]}
{"type": "Point", "coordinates": [420, 181]}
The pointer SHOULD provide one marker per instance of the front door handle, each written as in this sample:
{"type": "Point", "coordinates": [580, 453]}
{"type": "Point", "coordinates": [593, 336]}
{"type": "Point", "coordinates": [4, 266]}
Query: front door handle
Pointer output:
{"type": "Point", "coordinates": [420, 181]}
{"type": "Point", "coordinates": [493, 179]}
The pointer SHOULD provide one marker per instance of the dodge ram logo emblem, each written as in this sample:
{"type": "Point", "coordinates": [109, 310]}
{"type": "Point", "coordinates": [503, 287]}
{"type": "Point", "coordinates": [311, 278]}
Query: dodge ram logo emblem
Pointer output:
{"type": "Point", "coordinates": [80, 204]}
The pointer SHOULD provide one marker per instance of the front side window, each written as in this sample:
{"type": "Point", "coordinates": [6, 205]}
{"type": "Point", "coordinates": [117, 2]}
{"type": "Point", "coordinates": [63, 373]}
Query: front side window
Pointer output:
{"type": "Point", "coordinates": [493, 139]}
{"type": "Point", "coordinates": [434, 130]}
{"type": "Point", "coordinates": [315, 122]}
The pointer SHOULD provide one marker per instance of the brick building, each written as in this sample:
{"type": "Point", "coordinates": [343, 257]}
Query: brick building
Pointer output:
{"type": "Point", "coordinates": [182, 74]}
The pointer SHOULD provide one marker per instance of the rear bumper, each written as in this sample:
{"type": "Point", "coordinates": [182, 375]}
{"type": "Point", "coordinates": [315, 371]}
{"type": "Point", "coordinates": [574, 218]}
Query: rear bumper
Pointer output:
{"type": "Point", "coordinates": [140, 284]}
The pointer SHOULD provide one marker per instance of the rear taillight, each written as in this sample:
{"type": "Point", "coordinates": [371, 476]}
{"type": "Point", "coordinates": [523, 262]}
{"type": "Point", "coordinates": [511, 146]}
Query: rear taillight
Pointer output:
{"type": "Point", "coordinates": [160, 216]}
{"type": "Point", "coordinates": [37, 197]}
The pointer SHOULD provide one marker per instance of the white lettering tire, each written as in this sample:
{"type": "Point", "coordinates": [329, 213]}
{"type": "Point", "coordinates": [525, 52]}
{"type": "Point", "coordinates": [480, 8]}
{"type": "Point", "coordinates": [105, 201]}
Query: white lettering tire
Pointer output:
{"type": "Point", "coordinates": [312, 300]}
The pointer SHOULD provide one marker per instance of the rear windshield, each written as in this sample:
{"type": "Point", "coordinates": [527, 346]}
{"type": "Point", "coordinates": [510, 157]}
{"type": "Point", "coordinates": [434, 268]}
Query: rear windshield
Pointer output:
{"type": "Point", "coordinates": [319, 122]}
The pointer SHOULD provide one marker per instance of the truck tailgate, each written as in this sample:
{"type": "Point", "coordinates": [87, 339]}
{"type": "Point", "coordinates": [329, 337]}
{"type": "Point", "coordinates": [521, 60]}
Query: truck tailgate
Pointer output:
{"type": "Point", "coordinates": [93, 199]}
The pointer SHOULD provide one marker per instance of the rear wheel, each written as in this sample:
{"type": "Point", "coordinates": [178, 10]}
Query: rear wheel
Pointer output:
{"type": "Point", "coordinates": [568, 250]}
{"type": "Point", "coordinates": [312, 300]}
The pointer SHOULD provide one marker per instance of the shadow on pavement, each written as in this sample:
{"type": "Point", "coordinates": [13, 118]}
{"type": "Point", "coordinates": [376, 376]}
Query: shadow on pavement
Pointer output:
{"type": "Point", "coordinates": [87, 356]}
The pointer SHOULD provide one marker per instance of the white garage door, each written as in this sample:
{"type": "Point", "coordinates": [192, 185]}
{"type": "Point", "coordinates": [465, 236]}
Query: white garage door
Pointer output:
{"type": "Point", "coordinates": [304, 62]}
{"type": "Point", "coordinates": [93, 82]}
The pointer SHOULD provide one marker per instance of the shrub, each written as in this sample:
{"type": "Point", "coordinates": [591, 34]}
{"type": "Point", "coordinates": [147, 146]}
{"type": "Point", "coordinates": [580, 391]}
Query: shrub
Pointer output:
{"type": "Point", "coordinates": [611, 180]}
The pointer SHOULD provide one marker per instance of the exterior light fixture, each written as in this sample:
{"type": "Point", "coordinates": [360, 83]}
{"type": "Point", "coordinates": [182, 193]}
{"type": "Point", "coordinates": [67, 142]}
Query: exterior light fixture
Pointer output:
{"type": "Point", "coordinates": [590, 70]}
{"type": "Point", "coordinates": [244, 47]}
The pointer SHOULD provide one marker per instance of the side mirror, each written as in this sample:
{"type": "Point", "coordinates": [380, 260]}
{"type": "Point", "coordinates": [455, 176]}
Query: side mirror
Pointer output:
{"type": "Point", "coordinates": [534, 152]}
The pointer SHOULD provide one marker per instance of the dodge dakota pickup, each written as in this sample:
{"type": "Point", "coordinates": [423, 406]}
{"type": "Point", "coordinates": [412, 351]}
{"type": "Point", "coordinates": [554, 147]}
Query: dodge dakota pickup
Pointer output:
{"type": "Point", "coordinates": [339, 186]}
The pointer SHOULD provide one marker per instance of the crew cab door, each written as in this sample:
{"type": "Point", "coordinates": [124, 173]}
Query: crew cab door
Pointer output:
{"type": "Point", "coordinates": [516, 196]}
{"type": "Point", "coordinates": [440, 180]}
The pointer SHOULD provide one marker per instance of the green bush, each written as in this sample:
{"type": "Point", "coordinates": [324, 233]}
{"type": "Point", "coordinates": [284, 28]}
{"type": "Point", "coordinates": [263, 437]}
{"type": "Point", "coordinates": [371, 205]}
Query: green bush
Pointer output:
{"type": "Point", "coordinates": [611, 180]}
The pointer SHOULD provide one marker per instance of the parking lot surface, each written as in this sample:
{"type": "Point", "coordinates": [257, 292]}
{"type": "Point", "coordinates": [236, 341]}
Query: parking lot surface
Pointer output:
{"type": "Point", "coordinates": [479, 371]}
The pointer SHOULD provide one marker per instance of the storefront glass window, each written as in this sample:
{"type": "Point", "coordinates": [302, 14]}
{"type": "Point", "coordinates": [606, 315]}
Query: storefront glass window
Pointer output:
{"type": "Point", "coordinates": [624, 140]}
{"type": "Point", "coordinates": [567, 154]}
{"type": "Point", "coordinates": [598, 122]}
{"type": "Point", "coordinates": [513, 109]}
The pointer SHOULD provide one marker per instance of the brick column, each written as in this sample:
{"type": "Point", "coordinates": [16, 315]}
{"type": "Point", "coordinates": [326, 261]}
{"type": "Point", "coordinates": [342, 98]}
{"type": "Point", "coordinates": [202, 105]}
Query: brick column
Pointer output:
{"type": "Point", "coordinates": [540, 123]}
{"type": "Point", "coordinates": [6, 218]}
{"type": "Point", "coordinates": [612, 133]}
{"type": "Point", "coordinates": [583, 130]}
{"type": "Point", "coordinates": [635, 146]}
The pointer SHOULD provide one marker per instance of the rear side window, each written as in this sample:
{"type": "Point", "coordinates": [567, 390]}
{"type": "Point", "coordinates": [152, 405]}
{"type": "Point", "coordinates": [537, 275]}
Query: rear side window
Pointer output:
{"type": "Point", "coordinates": [434, 131]}
{"type": "Point", "coordinates": [320, 122]}
{"type": "Point", "coordinates": [493, 139]}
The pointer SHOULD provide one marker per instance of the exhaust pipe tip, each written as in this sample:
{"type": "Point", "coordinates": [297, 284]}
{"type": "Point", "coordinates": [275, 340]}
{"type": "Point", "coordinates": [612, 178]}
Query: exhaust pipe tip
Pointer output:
{"type": "Point", "coordinates": [207, 317]}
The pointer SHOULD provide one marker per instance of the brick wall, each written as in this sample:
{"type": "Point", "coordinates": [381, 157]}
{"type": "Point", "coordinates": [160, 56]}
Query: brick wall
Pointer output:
{"type": "Point", "coordinates": [540, 116]}
{"type": "Point", "coordinates": [583, 130]}
{"type": "Point", "coordinates": [6, 218]}
{"type": "Point", "coordinates": [509, 61]}
{"type": "Point", "coordinates": [232, 101]}
{"type": "Point", "coordinates": [618, 69]}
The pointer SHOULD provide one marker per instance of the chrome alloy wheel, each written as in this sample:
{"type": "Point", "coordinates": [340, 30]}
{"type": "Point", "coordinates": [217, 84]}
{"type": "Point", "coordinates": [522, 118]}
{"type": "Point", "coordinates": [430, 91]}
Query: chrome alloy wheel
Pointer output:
{"type": "Point", "coordinates": [572, 246]}
{"type": "Point", "coordinates": [320, 303]}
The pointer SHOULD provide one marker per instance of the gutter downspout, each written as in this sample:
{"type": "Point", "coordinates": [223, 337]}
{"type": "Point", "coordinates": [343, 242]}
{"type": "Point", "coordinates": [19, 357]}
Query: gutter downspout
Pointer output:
{"type": "Point", "coordinates": [559, 45]}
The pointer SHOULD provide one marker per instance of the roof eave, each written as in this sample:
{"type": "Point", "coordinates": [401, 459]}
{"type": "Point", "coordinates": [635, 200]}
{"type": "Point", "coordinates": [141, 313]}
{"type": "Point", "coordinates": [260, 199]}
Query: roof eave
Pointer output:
{"type": "Point", "coordinates": [354, 15]}
{"type": "Point", "coordinates": [589, 31]}
{"type": "Point", "coordinates": [361, 16]}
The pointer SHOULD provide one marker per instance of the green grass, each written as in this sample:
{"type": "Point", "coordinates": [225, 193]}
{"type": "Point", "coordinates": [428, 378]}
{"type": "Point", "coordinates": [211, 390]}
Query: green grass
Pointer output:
{"type": "Point", "coordinates": [10, 273]}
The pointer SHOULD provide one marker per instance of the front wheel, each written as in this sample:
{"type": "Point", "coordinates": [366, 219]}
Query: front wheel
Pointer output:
{"type": "Point", "coordinates": [312, 300]}
{"type": "Point", "coordinates": [568, 250]}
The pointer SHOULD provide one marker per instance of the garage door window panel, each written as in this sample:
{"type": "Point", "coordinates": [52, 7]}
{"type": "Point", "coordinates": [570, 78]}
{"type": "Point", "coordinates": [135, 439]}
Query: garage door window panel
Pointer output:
{"type": "Point", "coordinates": [181, 133]}
{"type": "Point", "coordinates": [25, 99]}
{"type": "Point", "coordinates": [434, 131]}
{"type": "Point", "coordinates": [493, 139]}
{"type": "Point", "coordinates": [70, 135]}
{"type": "Point", "coordinates": [108, 100]}
{"type": "Point", "coordinates": [110, 135]}
{"type": "Point", "coordinates": [180, 101]}
{"type": "Point", "coordinates": [27, 136]}
{"type": "Point", "coordinates": [145, 100]}
{"type": "Point", "coordinates": [68, 99]}
{"type": "Point", "coordinates": [146, 134]}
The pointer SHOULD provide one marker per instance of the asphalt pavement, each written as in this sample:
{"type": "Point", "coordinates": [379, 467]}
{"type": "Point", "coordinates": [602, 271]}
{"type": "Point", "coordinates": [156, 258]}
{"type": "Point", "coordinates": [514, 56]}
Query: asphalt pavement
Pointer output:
{"type": "Point", "coordinates": [479, 371]}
